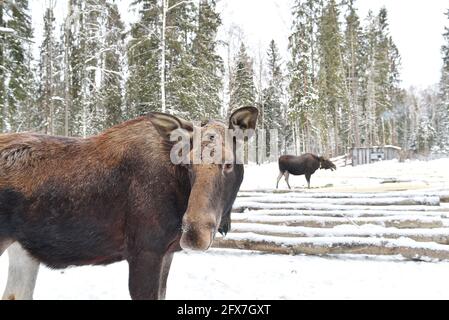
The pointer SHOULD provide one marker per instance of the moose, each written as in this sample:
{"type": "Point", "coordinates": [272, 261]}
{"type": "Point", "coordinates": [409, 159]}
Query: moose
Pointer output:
{"type": "Point", "coordinates": [306, 164]}
{"type": "Point", "coordinates": [112, 197]}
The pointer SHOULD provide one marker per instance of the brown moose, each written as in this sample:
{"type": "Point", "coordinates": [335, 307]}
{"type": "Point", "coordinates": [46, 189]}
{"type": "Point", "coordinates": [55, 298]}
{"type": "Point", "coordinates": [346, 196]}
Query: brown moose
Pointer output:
{"type": "Point", "coordinates": [116, 196]}
{"type": "Point", "coordinates": [305, 164]}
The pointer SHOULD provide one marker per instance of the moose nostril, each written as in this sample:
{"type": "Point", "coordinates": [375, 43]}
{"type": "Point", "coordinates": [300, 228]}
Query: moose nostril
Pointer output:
{"type": "Point", "coordinates": [210, 225]}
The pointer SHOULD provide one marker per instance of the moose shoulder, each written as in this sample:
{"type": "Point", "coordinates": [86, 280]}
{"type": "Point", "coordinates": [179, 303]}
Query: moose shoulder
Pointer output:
{"type": "Point", "coordinates": [306, 164]}
{"type": "Point", "coordinates": [116, 196]}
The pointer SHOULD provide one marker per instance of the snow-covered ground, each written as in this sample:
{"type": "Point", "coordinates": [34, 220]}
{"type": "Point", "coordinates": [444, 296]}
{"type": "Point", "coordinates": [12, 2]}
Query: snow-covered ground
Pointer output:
{"type": "Point", "coordinates": [376, 177]}
{"type": "Point", "coordinates": [230, 274]}
{"type": "Point", "coordinates": [224, 274]}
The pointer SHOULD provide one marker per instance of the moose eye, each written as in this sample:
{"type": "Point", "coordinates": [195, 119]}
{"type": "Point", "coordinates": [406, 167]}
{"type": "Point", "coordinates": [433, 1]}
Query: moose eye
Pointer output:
{"type": "Point", "coordinates": [228, 167]}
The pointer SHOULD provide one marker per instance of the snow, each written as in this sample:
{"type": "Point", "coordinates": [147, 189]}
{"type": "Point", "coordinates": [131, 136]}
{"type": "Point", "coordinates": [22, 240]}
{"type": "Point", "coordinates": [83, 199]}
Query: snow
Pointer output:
{"type": "Point", "coordinates": [331, 241]}
{"type": "Point", "coordinates": [324, 221]}
{"type": "Point", "coordinates": [241, 204]}
{"type": "Point", "coordinates": [6, 30]}
{"type": "Point", "coordinates": [227, 274]}
{"type": "Point", "coordinates": [368, 178]}
{"type": "Point", "coordinates": [348, 213]}
{"type": "Point", "coordinates": [338, 231]}
{"type": "Point", "coordinates": [433, 201]}
{"type": "Point", "coordinates": [292, 194]}
{"type": "Point", "coordinates": [239, 274]}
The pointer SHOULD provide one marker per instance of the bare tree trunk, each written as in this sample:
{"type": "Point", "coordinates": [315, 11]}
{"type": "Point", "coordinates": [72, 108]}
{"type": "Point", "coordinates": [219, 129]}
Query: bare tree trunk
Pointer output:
{"type": "Point", "coordinates": [2, 72]}
{"type": "Point", "coordinates": [67, 95]}
{"type": "Point", "coordinates": [163, 58]}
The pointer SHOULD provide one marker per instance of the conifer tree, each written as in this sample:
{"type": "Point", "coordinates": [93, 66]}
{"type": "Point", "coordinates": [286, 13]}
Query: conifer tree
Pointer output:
{"type": "Point", "coordinates": [143, 84]}
{"type": "Point", "coordinates": [180, 30]}
{"type": "Point", "coordinates": [51, 89]}
{"type": "Point", "coordinates": [273, 106]}
{"type": "Point", "coordinates": [242, 89]}
{"type": "Point", "coordinates": [332, 93]}
{"type": "Point", "coordinates": [208, 65]}
{"type": "Point", "coordinates": [354, 67]}
{"type": "Point", "coordinates": [111, 63]}
{"type": "Point", "coordinates": [16, 77]}
{"type": "Point", "coordinates": [303, 70]}
{"type": "Point", "coordinates": [442, 113]}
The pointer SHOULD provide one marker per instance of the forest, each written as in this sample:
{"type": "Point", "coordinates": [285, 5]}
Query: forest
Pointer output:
{"type": "Point", "coordinates": [339, 88]}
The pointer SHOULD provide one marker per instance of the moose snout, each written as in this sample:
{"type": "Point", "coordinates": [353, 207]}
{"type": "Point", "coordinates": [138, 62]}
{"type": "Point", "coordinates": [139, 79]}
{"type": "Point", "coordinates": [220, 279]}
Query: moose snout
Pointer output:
{"type": "Point", "coordinates": [197, 235]}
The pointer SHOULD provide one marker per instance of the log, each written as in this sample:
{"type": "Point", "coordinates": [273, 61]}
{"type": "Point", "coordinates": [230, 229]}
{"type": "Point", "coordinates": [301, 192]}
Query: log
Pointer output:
{"type": "Point", "coordinates": [400, 222]}
{"type": "Point", "coordinates": [330, 246]}
{"type": "Point", "coordinates": [443, 194]}
{"type": "Point", "coordinates": [240, 206]}
{"type": "Point", "coordinates": [397, 201]}
{"type": "Point", "coordinates": [440, 236]}
{"type": "Point", "coordinates": [345, 214]}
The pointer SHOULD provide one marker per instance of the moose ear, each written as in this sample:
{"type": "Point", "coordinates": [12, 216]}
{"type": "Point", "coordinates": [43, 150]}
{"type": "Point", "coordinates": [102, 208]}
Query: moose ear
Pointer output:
{"type": "Point", "coordinates": [165, 124]}
{"type": "Point", "coordinates": [244, 118]}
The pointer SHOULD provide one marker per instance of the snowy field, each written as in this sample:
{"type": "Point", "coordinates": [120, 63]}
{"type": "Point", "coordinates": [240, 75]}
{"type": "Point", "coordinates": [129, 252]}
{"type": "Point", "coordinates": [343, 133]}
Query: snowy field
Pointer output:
{"type": "Point", "coordinates": [238, 274]}
{"type": "Point", "coordinates": [377, 177]}
{"type": "Point", "coordinates": [222, 274]}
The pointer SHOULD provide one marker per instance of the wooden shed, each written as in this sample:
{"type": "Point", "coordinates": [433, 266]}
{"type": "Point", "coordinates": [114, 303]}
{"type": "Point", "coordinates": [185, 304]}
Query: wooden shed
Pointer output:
{"type": "Point", "coordinates": [366, 155]}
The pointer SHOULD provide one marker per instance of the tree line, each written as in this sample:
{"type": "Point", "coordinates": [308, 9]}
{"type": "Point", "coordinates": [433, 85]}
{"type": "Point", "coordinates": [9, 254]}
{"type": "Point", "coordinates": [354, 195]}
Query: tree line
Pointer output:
{"type": "Point", "coordinates": [340, 86]}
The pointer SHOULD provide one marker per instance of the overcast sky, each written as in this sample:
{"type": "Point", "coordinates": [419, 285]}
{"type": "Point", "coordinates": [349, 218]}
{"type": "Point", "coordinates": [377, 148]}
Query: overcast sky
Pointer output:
{"type": "Point", "coordinates": [416, 26]}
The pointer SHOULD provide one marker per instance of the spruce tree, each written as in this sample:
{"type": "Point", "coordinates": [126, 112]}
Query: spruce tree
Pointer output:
{"type": "Point", "coordinates": [143, 84]}
{"type": "Point", "coordinates": [180, 72]}
{"type": "Point", "coordinates": [111, 91]}
{"type": "Point", "coordinates": [50, 92]}
{"type": "Point", "coordinates": [242, 89]}
{"type": "Point", "coordinates": [273, 106]}
{"type": "Point", "coordinates": [442, 117]}
{"type": "Point", "coordinates": [75, 57]}
{"type": "Point", "coordinates": [303, 69]}
{"type": "Point", "coordinates": [353, 62]}
{"type": "Point", "coordinates": [208, 65]}
{"type": "Point", "coordinates": [16, 77]}
{"type": "Point", "coordinates": [332, 93]}
{"type": "Point", "coordinates": [381, 81]}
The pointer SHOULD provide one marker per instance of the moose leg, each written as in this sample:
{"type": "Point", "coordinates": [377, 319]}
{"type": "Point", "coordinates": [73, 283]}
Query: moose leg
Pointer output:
{"type": "Point", "coordinates": [22, 274]}
{"type": "Point", "coordinates": [287, 175]}
{"type": "Point", "coordinates": [308, 176]}
{"type": "Point", "coordinates": [281, 174]}
{"type": "Point", "coordinates": [4, 244]}
{"type": "Point", "coordinates": [145, 275]}
{"type": "Point", "coordinates": [168, 258]}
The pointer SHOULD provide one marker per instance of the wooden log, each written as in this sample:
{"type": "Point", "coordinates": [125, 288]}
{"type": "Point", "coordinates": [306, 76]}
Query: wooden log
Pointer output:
{"type": "Point", "coordinates": [240, 206]}
{"type": "Point", "coordinates": [442, 194]}
{"type": "Point", "coordinates": [440, 236]}
{"type": "Point", "coordinates": [397, 201]}
{"type": "Point", "coordinates": [333, 246]}
{"type": "Point", "coordinates": [401, 222]}
{"type": "Point", "coordinates": [346, 194]}
{"type": "Point", "coordinates": [345, 214]}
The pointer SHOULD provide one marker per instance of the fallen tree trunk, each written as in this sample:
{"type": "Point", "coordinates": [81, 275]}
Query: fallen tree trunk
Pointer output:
{"type": "Point", "coordinates": [398, 201]}
{"type": "Point", "coordinates": [440, 236]}
{"type": "Point", "coordinates": [401, 222]}
{"type": "Point", "coordinates": [327, 246]}
{"type": "Point", "coordinates": [240, 206]}
{"type": "Point", "coordinates": [345, 195]}
{"type": "Point", "coordinates": [345, 214]}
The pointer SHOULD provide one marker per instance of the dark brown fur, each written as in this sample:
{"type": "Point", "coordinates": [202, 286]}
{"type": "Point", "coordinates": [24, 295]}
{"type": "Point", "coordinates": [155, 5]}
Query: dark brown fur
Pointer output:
{"type": "Point", "coordinates": [306, 164]}
{"type": "Point", "coordinates": [115, 196]}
